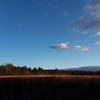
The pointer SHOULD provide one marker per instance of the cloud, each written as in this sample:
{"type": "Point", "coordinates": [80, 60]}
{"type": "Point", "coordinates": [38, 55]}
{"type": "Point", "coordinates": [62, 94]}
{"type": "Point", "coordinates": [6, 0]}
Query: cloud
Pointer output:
{"type": "Point", "coordinates": [91, 18]}
{"type": "Point", "coordinates": [81, 48]}
{"type": "Point", "coordinates": [81, 21]}
{"type": "Point", "coordinates": [66, 46]}
{"type": "Point", "coordinates": [97, 42]}
{"type": "Point", "coordinates": [61, 46]}
{"type": "Point", "coordinates": [97, 34]}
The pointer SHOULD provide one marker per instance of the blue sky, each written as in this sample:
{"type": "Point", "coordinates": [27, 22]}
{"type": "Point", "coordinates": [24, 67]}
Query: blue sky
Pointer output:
{"type": "Point", "coordinates": [50, 33]}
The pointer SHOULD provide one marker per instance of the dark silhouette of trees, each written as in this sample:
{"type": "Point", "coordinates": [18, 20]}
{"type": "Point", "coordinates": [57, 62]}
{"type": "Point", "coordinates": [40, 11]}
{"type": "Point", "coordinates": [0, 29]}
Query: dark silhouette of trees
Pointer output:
{"type": "Point", "coordinates": [10, 69]}
{"type": "Point", "coordinates": [34, 70]}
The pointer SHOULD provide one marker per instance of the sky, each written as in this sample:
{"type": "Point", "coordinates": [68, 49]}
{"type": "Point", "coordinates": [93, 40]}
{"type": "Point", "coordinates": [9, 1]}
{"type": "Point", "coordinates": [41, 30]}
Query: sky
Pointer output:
{"type": "Point", "coordinates": [50, 33]}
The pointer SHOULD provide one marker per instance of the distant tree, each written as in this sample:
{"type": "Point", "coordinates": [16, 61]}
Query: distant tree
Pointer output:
{"type": "Point", "coordinates": [34, 70]}
{"type": "Point", "coordinates": [40, 69]}
{"type": "Point", "coordinates": [56, 69]}
{"type": "Point", "coordinates": [8, 69]}
{"type": "Point", "coordinates": [9, 65]}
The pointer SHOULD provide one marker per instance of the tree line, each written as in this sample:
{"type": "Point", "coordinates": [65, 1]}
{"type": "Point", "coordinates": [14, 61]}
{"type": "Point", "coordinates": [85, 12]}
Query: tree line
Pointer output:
{"type": "Point", "coordinates": [10, 69]}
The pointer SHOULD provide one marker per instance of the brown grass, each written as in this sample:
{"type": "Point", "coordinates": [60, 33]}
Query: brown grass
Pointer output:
{"type": "Point", "coordinates": [53, 76]}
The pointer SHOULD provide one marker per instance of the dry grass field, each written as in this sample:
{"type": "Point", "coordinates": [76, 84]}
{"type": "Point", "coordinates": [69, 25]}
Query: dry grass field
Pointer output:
{"type": "Point", "coordinates": [49, 87]}
{"type": "Point", "coordinates": [52, 76]}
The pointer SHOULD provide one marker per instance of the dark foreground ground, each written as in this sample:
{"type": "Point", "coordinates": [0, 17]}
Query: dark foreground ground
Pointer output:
{"type": "Point", "coordinates": [50, 88]}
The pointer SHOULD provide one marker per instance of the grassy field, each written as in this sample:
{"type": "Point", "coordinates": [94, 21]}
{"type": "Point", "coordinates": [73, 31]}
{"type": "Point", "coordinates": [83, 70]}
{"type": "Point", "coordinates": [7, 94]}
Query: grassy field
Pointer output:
{"type": "Point", "coordinates": [49, 87]}
{"type": "Point", "coordinates": [53, 76]}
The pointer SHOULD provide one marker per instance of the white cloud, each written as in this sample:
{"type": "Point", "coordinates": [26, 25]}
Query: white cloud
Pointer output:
{"type": "Point", "coordinates": [66, 46]}
{"type": "Point", "coordinates": [78, 46]}
{"type": "Point", "coordinates": [61, 46]}
{"type": "Point", "coordinates": [81, 48]}
{"type": "Point", "coordinates": [97, 34]}
{"type": "Point", "coordinates": [97, 42]}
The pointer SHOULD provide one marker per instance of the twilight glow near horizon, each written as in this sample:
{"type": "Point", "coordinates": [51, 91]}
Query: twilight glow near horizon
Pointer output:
{"type": "Point", "coordinates": [50, 33]}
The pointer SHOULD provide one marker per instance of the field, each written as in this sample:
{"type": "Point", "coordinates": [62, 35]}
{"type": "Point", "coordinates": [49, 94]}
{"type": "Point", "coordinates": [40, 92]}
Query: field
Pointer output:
{"type": "Point", "coordinates": [49, 87]}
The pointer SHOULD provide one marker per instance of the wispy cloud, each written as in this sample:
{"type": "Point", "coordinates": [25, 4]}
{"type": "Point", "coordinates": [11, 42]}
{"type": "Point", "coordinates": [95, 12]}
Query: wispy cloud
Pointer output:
{"type": "Point", "coordinates": [97, 42]}
{"type": "Point", "coordinates": [81, 48]}
{"type": "Point", "coordinates": [81, 21]}
{"type": "Point", "coordinates": [91, 18]}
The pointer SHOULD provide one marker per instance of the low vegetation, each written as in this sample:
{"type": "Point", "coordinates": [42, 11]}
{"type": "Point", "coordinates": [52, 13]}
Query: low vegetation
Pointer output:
{"type": "Point", "coordinates": [10, 69]}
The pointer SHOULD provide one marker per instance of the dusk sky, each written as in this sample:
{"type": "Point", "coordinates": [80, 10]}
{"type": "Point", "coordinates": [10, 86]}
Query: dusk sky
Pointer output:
{"type": "Point", "coordinates": [50, 33]}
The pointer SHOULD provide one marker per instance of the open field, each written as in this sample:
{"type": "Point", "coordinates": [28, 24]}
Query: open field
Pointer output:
{"type": "Point", "coordinates": [49, 87]}
{"type": "Point", "coordinates": [53, 76]}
